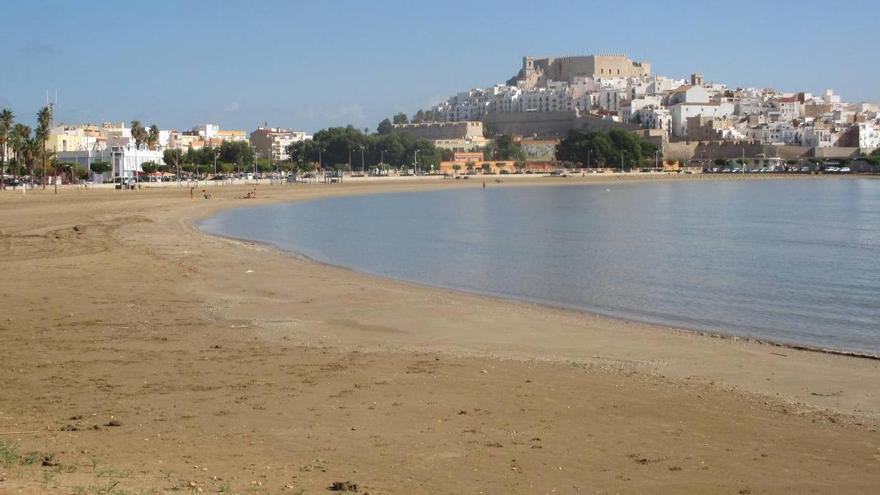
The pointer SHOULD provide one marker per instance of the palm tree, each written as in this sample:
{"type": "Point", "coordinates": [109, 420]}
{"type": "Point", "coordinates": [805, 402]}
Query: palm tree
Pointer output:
{"type": "Point", "coordinates": [6, 119]}
{"type": "Point", "coordinates": [153, 137]}
{"type": "Point", "coordinates": [19, 138]}
{"type": "Point", "coordinates": [44, 124]}
{"type": "Point", "coordinates": [138, 133]}
{"type": "Point", "coordinates": [32, 151]}
{"type": "Point", "coordinates": [27, 148]}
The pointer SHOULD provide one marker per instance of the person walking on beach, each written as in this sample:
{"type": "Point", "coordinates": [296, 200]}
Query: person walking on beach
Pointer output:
{"type": "Point", "coordinates": [484, 184]}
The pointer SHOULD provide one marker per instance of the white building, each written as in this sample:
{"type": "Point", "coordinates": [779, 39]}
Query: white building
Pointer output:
{"type": "Point", "coordinates": [790, 108]}
{"type": "Point", "coordinates": [819, 137]}
{"type": "Point", "coordinates": [207, 131]}
{"type": "Point", "coordinates": [869, 136]}
{"type": "Point", "coordinates": [681, 112]}
{"type": "Point", "coordinates": [272, 142]}
{"type": "Point", "coordinates": [655, 118]}
{"type": "Point", "coordinates": [688, 94]}
{"type": "Point", "coordinates": [126, 158]}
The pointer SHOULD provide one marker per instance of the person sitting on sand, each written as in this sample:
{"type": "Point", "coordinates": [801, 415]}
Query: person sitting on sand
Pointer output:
{"type": "Point", "coordinates": [206, 194]}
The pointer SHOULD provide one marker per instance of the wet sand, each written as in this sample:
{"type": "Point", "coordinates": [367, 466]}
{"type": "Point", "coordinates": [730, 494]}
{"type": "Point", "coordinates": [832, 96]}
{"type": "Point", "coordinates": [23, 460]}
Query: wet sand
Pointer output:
{"type": "Point", "coordinates": [140, 354]}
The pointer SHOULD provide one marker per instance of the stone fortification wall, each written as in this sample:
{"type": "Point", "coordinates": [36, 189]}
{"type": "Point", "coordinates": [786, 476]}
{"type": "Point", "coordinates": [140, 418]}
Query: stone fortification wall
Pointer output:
{"type": "Point", "coordinates": [546, 125]}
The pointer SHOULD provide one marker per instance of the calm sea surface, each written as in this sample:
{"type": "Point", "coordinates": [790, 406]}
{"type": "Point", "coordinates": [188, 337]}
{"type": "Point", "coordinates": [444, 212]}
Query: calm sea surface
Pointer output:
{"type": "Point", "coordinates": [792, 261]}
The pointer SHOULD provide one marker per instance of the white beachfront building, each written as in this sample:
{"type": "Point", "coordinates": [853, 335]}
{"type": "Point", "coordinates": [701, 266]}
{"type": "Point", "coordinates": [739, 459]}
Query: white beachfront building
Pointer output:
{"type": "Point", "coordinates": [124, 156]}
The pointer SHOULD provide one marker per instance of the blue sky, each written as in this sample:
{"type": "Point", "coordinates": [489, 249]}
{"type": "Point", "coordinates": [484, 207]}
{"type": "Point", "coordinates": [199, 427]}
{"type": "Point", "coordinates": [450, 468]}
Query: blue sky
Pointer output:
{"type": "Point", "coordinates": [309, 65]}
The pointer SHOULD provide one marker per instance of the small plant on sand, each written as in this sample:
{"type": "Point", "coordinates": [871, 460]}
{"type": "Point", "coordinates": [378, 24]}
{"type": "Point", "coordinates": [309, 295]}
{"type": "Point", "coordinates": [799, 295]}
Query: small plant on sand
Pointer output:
{"type": "Point", "coordinates": [8, 454]}
{"type": "Point", "coordinates": [49, 476]}
{"type": "Point", "coordinates": [29, 459]}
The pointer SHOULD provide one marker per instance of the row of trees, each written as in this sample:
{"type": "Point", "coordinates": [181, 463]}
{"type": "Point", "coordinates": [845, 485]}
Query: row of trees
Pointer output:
{"type": "Point", "coordinates": [616, 148]}
{"type": "Point", "coordinates": [228, 156]}
{"type": "Point", "coordinates": [29, 145]}
{"type": "Point", "coordinates": [349, 148]}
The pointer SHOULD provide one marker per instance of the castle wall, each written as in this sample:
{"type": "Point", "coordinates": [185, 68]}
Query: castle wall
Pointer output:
{"type": "Point", "coordinates": [547, 125]}
{"type": "Point", "coordinates": [442, 130]}
{"type": "Point", "coordinates": [696, 150]}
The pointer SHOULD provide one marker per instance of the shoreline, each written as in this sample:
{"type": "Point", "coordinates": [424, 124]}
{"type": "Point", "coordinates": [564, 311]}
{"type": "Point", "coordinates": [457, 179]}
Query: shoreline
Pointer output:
{"type": "Point", "coordinates": [707, 336]}
{"type": "Point", "coordinates": [144, 353]}
{"type": "Point", "coordinates": [546, 305]}
{"type": "Point", "coordinates": [719, 334]}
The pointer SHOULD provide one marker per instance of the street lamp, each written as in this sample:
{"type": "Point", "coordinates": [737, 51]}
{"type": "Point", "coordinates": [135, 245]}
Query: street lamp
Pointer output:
{"type": "Point", "coordinates": [216, 154]}
{"type": "Point", "coordinates": [363, 171]}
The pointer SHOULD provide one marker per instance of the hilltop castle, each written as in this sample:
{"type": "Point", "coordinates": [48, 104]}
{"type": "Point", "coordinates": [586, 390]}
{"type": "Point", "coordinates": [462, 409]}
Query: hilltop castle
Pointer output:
{"type": "Point", "coordinates": [536, 72]}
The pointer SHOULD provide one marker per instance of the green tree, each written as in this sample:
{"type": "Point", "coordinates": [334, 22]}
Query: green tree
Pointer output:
{"type": "Point", "coordinates": [504, 148]}
{"type": "Point", "coordinates": [456, 167]}
{"type": "Point", "coordinates": [149, 168]}
{"type": "Point", "coordinates": [385, 127]}
{"type": "Point", "coordinates": [614, 148]}
{"type": "Point", "coordinates": [332, 145]}
{"type": "Point", "coordinates": [400, 118]}
{"type": "Point", "coordinates": [100, 167]}
{"type": "Point", "coordinates": [585, 148]}
{"type": "Point", "coordinates": [238, 153]}
{"type": "Point", "coordinates": [6, 120]}
{"type": "Point", "coordinates": [264, 166]}
{"type": "Point", "coordinates": [172, 158]}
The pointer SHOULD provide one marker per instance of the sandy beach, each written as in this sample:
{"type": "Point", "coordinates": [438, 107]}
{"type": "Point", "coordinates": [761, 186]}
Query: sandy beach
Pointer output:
{"type": "Point", "coordinates": [140, 355]}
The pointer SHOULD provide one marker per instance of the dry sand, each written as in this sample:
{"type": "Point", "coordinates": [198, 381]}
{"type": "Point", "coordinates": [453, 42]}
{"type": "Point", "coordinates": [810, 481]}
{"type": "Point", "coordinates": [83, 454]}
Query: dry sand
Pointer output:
{"type": "Point", "coordinates": [139, 355]}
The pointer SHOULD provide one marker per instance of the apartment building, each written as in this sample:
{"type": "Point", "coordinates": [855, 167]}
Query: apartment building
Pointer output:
{"type": "Point", "coordinates": [272, 142]}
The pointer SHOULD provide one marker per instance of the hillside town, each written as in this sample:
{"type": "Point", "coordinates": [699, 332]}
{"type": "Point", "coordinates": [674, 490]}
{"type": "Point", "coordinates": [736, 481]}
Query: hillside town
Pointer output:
{"type": "Point", "coordinates": [614, 88]}
{"type": "Point", "coordinates": [686, 124]}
